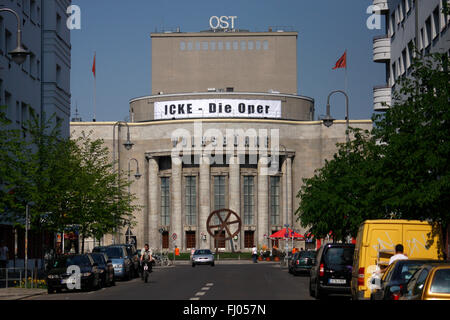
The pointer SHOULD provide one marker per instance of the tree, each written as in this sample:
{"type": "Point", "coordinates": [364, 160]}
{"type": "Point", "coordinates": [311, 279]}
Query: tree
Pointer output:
{"type": "Point", "coordinates": [345, 192]}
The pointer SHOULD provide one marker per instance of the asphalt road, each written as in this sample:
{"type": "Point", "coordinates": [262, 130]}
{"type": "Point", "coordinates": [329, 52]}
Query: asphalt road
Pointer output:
{"type": "Point", "coordinates": [222, 282]}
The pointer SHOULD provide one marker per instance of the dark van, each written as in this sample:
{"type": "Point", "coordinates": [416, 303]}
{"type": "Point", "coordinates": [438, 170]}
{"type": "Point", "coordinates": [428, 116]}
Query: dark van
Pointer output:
{"type": "Point", "coordinates": [332, 272]}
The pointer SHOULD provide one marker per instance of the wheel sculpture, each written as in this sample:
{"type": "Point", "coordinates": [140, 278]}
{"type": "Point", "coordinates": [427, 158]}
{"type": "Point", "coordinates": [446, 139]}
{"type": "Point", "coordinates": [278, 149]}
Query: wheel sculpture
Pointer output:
{"type": "Point", "coordinates": [227, 218]}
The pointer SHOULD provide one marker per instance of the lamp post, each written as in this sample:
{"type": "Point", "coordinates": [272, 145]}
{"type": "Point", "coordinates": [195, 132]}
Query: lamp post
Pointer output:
{"type": "Point", "coordinates": [328, 119]}
{"type": "Point", "coordinates": [19, 54]}
{"type": "Point", "coordinates": [137, 176]}
{"type": "Point", "coordinates": [128, 145]}
{"type": "Point", "coordinates": [27, 227]}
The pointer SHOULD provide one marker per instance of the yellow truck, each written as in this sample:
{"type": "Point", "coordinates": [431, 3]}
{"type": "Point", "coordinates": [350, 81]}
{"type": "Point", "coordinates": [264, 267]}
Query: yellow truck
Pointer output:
{"type": "Point", "coordinates": [375, 244]}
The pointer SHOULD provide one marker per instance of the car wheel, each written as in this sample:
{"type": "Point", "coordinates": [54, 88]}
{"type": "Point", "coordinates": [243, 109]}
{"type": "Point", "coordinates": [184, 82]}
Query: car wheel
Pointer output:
{"type": "Point", "coordinates": [212, 264]}
{"type": "Point", "coordinates": [193, 265]}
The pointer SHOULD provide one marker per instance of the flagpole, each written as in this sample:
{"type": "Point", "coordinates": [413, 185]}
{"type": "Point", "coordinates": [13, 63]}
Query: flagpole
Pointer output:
{"type": "Point", "coordinates": [95, 87]}
{"type": "Point", "coordinates": [346, 74]}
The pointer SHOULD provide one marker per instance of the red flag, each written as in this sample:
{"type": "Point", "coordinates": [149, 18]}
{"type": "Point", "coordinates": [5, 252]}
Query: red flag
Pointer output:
{"type": "Point", "coordinates": [93, 66]}
{"type": "Point", "coordinates": [342, 62]}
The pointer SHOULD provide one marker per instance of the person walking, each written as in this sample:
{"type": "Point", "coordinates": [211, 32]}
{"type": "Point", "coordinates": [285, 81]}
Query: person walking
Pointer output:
{"type": "Point", "coordinates": [398, 254]}
{"type": "Point", "coordinates": [254, 254]}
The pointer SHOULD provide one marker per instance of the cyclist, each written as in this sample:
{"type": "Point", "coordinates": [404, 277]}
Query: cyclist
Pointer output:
{"type": "Point", "coordinates": [146, 255]}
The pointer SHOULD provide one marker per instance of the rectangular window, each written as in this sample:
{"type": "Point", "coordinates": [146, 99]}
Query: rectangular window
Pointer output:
{"type": "Point", "coordinates": [428, 32]}
{"type": "Point", "coordinates": [228, 45]}
{"type": "Point", "coordinates": [435, 24]}
{"type": "Point", "coordinates": [205, 45]}
{"type": "Point", "coordinates": [266, 45]}
{"type": "Point", "coordinates": [258, 45]}
{"type": "Point", "coordinates": [243, 45]}
{"type": "Point", "coordinates": [235, 45]}
{"type": "Point", "coordinates": [249, 239]}
{"type": "Point", "coordinates": [219, 195]}
{"type": "Point", "coordinates": [58, 76]}
{"type": "Point", "coordinates": [190, 46]}
{"type": "Point", "coordinates": [197, 46]}
{"type": "Point", "coordinates": [213, 45]}
{"type": "Point", "coordinates": [249, 199]}
{"type": "Point", "coordinates": [220, 45]}
{"type": "Point", "coordinates": [190, 239]}
{"type": "Point", "coordinates": [191, 201]}
{"type": "Point", "coordinates": [8, 42]}
{"type": "Point", "coordinates": [275, 200]}
{"type": "Point", "coordinates": [58, 24]}
{"type": "Point", "coordinates": [165, 201]}
{"type": "Point", "coordinates": [251, 45]}
{"type": "Point", "coordinates": [182, 45]}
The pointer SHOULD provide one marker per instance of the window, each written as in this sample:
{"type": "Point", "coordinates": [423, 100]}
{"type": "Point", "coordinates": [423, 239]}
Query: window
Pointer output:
{"type": "Point", "coordinates": [220, 45]}
{"type": "Point", "coordinates": [205, 46]}
{"type": "Point", "coordinates": [249, 199]}
{"type": "Point", "coordinates": [243, 45]}
{"type": "Point", "coordinates": [435, 24]}
{"type": "Point", "coordinates": [190, 46]}
{"type": "Point", "coordinates": [58, 24]}
{"type": "Point", "coordinates": [258, 45]}
{"type": "Point", "coordinates": [441, 281]}
{"type": "Point", "coordinates": [251, 45]}
{"type": "Point", "coordinates": [228, 45]}
{"type": "Point", "coordinates": [275, 200]}
{"type": "Point", "coordinates": [249, 239]}
{"type": "Point", "coordinates": [58, 76]}
{"type": "Point", "coordinates": [8, 41]}
{"type": "Point", "coordinates": [219, 195]}
{"type": "Point", "coordinates": [8, 102]}
{"type": "Point", "coordinates": [33, 69]}
{"type": "Point", "coordinates": [24, 115]}
{"type": "Point", "coordinates": [182, 45]}
{"type": "Point", "coordinates": [2, 45]}
{"type": "Point", "coordinates": [392, 24]}
{"type": "Point", "coordinates": [165, 240]}
{"type": "Point", "coordinates": [213, 45]}
{"type": "Point", "coordinates": [235, 45]}
{"type": "Point", "coordinates": [197, 46]}
{"type": "Point", "coordinates": [428, 32]}
{"type": "Point", "coordinates": [266, 45]}
{"type": "Point", "coordinates": [420, 282]}
{"type": "Point", "coordinates": [190, 239]}
{"type": "Point", "coordinates": [165, 201]}
{"type": "Point", "coordinates": [191, 201]}
{"type": "Point", "coordinates": [33, 10]}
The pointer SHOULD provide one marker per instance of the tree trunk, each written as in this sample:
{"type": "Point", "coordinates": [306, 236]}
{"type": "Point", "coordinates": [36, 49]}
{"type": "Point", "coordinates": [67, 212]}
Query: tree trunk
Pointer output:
{"type": "Point", "coordinates": [82, 243]}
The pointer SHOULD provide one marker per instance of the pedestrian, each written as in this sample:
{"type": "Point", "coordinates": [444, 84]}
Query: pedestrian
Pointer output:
{"type": "Point", "coordinates": [254, 254]}
{"type": "Point", "coordinates": [398, 254]}
{"type": "Point", "coordinates": [4, 254]}
{"type": "Point", "coordinates": [192, 253]}
{"type": "Point", "coordinates": [177, 251]}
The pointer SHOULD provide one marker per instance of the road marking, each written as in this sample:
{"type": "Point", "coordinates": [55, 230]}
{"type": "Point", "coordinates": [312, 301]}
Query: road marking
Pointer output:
{"type": "Point", "coordinates": [194, 299]}
{"type": "Point", "coordinates": [210, 284]}
{"type": "Point", "coordinates": [200, 293]}
{"type": "Point", "coordinates": [206, 288]}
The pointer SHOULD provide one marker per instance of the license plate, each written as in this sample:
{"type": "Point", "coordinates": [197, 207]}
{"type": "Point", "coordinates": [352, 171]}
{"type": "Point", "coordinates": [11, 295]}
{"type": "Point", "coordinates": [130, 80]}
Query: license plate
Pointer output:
{"type": "Point", "coordinates": [337, 281]}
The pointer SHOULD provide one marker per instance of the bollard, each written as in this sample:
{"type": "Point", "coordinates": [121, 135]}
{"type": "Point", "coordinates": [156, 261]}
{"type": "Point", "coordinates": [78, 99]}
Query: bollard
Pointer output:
{"type": "Point", "coordinates": [6, 270]}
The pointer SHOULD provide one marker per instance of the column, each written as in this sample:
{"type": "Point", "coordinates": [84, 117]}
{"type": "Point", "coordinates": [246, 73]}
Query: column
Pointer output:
{"type": "Point", "coordinates": [152, 235]}
{"type": "Point", "coordinates": [205, 203]}
{"type": "Point", "coordinates": [176, 208]}
{"type": "Point", "coordinates": [234, 195]}
{"type": "Point", "coordinates": [263, 201]}
{"type": "Point", "coordinates": [289, 191]}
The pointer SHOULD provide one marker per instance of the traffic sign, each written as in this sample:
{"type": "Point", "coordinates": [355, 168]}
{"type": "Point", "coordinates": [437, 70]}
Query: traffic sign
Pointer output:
{"type": "Point", "coordinates": [174, 236]}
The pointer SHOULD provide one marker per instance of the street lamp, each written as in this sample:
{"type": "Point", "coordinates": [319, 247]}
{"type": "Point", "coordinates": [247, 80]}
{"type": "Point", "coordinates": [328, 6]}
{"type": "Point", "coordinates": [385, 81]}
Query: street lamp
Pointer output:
{"type": "Point", "coordinates": [328, 119]}
{"type": "Point", "coordinates": [19, 54]}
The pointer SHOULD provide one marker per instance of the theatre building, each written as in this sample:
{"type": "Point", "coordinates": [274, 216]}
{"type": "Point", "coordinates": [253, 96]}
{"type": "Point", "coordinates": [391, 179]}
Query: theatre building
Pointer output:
{"type": "Point", "coordinates": [224, 127]}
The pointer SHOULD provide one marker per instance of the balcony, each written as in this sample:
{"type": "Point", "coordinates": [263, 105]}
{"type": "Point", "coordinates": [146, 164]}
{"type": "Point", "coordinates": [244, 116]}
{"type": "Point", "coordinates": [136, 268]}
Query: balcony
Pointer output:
{"type": "Point", "coordinates": [382, 98]}
{"type": "Point", "coordinates": [382, 4]}
{"type": "Point", "coordinates": [381, 49]}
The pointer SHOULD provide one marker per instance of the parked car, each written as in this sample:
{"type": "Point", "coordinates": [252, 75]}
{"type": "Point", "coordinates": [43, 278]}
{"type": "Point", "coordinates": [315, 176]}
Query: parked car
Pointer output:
{"type": "Point", "coordinates": [59, 276]}
{"type": "Point", "coordinates": [369, 254]}
{"type": "Point", "coordinates": [106, 268]}
{"type": "Point", "coordinates": [119, 258]}
{"type": "Point", "coordinates": [430, 282]}
{"type": "Point", "coordinates": [396, 277]}
{"type": "Point", "coordinates": [203, 256]}
{"type": "Point", "coordinates": [302, 262]}
{"type": "Point", "coordinates": [332, 272]}
{"type": "Point", "coordinates": [134, 257]}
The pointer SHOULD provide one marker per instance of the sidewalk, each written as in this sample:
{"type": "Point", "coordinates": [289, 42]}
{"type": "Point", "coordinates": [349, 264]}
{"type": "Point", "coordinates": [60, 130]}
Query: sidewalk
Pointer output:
{"type": "Point", "coordinates": [18, 293]}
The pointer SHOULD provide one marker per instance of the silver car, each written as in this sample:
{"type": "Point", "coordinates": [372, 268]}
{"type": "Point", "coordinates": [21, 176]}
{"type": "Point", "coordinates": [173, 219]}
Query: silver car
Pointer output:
{"type": "Point", "coordinates": [203, 256]}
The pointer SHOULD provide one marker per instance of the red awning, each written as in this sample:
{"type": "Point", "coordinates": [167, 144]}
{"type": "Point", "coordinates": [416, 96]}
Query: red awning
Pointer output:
{"type": "Point", "coordinates": [282, 234]}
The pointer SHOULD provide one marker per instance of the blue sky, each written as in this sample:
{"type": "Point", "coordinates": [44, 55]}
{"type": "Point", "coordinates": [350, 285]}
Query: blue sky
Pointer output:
{"type": "Point", "coordinates": [119, 32]}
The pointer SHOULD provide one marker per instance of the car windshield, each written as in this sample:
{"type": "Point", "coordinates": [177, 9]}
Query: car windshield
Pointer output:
{"type": "Point", "coordinates": [339, 256]}
{"type": "Point", "coordinates": [197, 252]}
{"type": "Point", "coordinates": [98, 258]}
{"type": "Point", "coordinates": [441, 281]}
{"type": "Point", "coordinates": [308, 254]}
{"type": "Point", "coordinates": [65, 262]}
{"type": "Point", "coordinates": [406, 271]}
{"type": "Point", "coordinates": [114, 252]}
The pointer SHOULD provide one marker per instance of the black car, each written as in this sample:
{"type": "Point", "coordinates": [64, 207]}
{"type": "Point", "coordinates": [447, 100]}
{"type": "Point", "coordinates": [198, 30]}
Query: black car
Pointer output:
{"type": "Point", "coordinates": [302, 262]}
{"type": "Point", "coordinates": [106, 268]}
{"type": "Point", "coordinates": [396, 277]}
{"type": "Point", "coordinates": [59, 274]}
{"type": "Point", "coordinates": [332, 272]}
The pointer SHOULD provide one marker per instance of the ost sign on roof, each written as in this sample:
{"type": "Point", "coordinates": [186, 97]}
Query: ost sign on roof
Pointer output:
{"type": "Point", "coordinates": [217, 108]}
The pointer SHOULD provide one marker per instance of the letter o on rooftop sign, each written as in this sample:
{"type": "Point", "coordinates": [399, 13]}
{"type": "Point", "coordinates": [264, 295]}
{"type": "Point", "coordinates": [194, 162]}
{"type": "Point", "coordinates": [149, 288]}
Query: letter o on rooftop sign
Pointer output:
{"type": "Point", "coordinates": [217, 21]}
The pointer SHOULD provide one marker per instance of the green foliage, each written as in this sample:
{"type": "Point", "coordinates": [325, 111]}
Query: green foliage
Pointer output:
{"type": "Point", "coordinates": [398, 170]}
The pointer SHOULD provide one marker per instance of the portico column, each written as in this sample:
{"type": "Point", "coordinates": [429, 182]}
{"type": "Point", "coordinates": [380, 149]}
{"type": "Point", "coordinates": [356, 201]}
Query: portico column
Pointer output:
{"type": "Point", "coordinates": [263, 201]}
{"type": "Point", "coordinates": [205, 203]}
{"type": "Point", "coordinates": [152, 235]}
{"type": "Point", "coordinates": [289, 190]}
{"type": "Point", "coordinates": [234, 193]}
{"type": "Point", "coordinates": [176, 216]}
